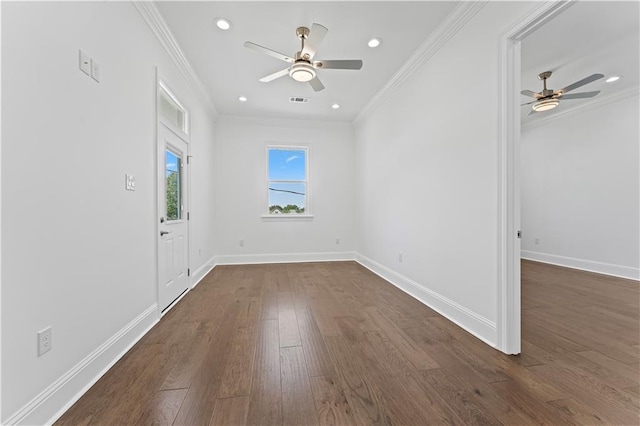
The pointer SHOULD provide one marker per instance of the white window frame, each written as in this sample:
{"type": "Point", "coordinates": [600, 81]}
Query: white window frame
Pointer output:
{"type": "Point", "coordinates": [307, 209]}
{"type": "Point", "coordinates": [165, 92]}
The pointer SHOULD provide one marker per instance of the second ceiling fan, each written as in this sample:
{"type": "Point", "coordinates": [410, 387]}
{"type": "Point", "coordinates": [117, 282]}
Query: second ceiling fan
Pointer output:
{"type": "Point", "coordinates": [548, 98]}
{"type": "Point", "coordinates": [302, 67]}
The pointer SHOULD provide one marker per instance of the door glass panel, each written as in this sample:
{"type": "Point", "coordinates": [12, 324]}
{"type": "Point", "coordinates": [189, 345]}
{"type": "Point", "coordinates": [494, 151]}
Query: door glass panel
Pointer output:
{"type": "Point", "coordinates": [173, 171]}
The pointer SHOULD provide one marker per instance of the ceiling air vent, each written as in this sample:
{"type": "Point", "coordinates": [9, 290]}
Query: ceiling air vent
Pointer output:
{"type": "Point", "coordinates": [297, 100]}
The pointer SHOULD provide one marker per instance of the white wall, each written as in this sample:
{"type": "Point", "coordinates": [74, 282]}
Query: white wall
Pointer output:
{"type": "Point", "coordinates": [241, 192]}
{"type": "Point", "coordinates": [79, 252]}
{"type": "Point", "coordinates": [427, 178]}
{"type": "Point", "coordinates": [581, 188]}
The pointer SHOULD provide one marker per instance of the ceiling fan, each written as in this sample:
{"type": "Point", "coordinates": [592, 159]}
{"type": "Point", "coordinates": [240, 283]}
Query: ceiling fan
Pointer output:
{"type": "Point", "coordinates": [549, 99]}
{"type": "Point", "coordinates": [303, 68]}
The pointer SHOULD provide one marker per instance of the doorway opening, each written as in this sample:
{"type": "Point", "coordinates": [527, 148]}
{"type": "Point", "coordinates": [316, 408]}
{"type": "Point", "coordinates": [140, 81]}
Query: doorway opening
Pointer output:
{"type": "Point", "coordinates": [173, 198]}
{"type": "Point", "coordinates": [508, 318]}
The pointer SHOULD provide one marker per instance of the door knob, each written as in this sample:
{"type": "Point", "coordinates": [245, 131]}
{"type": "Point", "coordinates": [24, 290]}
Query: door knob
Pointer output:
{"type": "Point", "coordinates": [162, 233]}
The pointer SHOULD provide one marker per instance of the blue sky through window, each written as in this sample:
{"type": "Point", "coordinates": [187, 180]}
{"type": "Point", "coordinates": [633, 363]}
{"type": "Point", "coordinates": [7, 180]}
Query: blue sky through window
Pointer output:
{"type": "Point", "coordinates": [171, 163]}
{"type": "Point", "coordinates": [287, 165]}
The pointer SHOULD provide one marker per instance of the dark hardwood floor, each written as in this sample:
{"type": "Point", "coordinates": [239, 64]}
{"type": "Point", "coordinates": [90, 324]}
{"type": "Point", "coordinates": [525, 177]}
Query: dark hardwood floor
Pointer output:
{"type": "Point", "coordinates": [332, 343]}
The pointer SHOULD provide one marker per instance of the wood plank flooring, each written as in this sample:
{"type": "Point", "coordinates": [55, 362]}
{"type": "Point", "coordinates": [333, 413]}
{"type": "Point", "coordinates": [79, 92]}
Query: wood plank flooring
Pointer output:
{"type": "Point", "coordinates": [334, 344]}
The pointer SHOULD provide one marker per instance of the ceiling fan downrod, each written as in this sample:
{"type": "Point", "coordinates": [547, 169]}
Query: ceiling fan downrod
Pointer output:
{"type": "Point", "coordinates": [544, 76]}
{"type": "Point", "coordinates": [303, 34]}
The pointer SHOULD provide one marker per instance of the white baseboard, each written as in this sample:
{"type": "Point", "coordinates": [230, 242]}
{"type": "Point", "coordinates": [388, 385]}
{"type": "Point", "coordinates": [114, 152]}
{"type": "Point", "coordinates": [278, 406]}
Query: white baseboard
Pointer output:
{"type": "Point", "coordinates": [202, 271]}
{"type": "Point", "coordinates": [475, 324]}
{"type": "Point", "coordinates": [52, 402]}
{"type": "Point", "coordinates": [247, 259]}
{"type": "Point", "coordinates": [585, 265]}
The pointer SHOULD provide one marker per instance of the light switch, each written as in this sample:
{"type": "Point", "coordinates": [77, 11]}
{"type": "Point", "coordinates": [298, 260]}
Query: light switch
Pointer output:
{"type": "Point", "coordinates": [95, 70]}
{"type": "Point", "coordinates": [85, 63]}
{"type": "Point", "coordinates": [130, 184]}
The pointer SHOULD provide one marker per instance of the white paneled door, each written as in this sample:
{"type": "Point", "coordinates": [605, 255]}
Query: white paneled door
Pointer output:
{"type": "Point", "coordinates": [173, 225]}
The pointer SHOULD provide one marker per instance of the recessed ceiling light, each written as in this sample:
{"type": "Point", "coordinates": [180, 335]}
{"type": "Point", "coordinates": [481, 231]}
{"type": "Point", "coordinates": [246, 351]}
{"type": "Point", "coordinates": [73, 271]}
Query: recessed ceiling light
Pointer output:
{"type": "Point", "coordinates": [242, 98]}
{"type": "Point", "coordinates": [613, 78]}
{"type": "Point", "coordinates": [374, 42]}
{"type": "Point", "coordinates": [223, 24]}
{"type": "Point", "coordinates": [335, 106]}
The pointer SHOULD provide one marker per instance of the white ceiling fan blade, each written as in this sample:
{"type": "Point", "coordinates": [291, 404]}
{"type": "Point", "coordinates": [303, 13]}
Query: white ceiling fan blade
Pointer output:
{"type": "Point", "coordinates": [311, 43]}
{"type": "Point", "coordinates": [582, 82]}
{"type": "Point", "coordinates": [340, 64]}
{"type": "Point", "coordinates": [316, 84]}
{"type": "Point", "coordinates": [269, 52]}
{"type": "Point", "coordinates": [580, 95]}
{"type": "Point", "coordinates": [275, 75]}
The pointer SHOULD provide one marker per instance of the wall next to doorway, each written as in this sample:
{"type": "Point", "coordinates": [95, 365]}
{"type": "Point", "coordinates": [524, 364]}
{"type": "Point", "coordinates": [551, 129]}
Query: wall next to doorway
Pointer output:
{"type": "Point", "coordinates": [78, 250]}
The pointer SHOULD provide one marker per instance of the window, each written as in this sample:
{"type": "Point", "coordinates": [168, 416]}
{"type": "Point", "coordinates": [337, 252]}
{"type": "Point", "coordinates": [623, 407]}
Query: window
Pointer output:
{"type": "Point", "coordinates": [287, 186]}
{"type": "Point", "coordinates": [171, 111]}
{"type": "Point", "coordinates": [173, 172]}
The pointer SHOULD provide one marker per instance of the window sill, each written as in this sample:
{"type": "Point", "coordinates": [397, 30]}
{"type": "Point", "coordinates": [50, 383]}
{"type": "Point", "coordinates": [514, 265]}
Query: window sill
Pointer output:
{"type": "Point", "coordinates": [286, 217]}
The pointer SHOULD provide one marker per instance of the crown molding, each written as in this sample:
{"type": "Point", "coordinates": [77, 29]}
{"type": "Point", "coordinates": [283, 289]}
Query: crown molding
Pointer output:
{"type": "Point", "coordinates": [160, 29]}
{"type": "Point", "coordinates": [585, 106]}
{"type": "Point", "coordinates": [456, 20]}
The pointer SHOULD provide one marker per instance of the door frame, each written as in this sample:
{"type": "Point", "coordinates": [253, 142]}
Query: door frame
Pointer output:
{"type": "Point", "coordinates": [161, 86]}
{"type": "Point", "coordinates": [508, 318]}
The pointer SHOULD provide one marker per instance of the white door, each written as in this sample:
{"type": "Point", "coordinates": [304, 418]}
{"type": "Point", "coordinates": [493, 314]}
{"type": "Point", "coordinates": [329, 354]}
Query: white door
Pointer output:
{"type": "Point", "coordinates": [173, 244]}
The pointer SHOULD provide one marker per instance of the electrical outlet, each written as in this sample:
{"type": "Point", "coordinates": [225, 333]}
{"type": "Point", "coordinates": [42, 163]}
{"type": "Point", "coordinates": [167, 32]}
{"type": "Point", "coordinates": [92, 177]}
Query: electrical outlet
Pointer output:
{"type": "Point", "coordinates": [95, 70]}
{"type": "Point", "coordinates": [85, 63]}
{"type": "Point", "coordinates": [537, 241]}
{"type": "Point", "coordinates": [241, 243]}
{"type": "Point", "coordinates": [337, 240]}
{"type": "Point", "coordinates": [400, 257]}
{"type": "Point", "coordinates": [44, 341]}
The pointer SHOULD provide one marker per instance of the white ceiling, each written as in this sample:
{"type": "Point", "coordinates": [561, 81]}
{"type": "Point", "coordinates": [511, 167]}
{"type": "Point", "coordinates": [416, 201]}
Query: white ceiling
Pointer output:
{"type": "Point", "coordinates": [229, 70]}
{"type": "Point", "coordinates": [588, 37]}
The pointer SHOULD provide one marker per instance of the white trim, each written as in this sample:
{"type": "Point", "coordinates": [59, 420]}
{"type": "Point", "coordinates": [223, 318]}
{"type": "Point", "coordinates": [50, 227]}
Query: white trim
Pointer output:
{"type": "Point", "coordinates": [1, 210]}
{"type": "Point", "coordinates": [596, 102]}
{"type": "Point", "coordinates": [621, 271]}
{"type": "Point", "coordinates": [286, 216]}
{"type": "Point", "coordinates": [160, 29]}
{"type": "Point", "coordinates": [508, 315]}
{"type": "Point", "coordinates": [250, 259]}
{"type": "Point", "coordinates": [202, 271]}
{"type": "Point", "coordinates": [481, 327]}
{"type": "Point", "coordinates": [436, 40]}
{"type": "Point", "coordinates": [57, 398]}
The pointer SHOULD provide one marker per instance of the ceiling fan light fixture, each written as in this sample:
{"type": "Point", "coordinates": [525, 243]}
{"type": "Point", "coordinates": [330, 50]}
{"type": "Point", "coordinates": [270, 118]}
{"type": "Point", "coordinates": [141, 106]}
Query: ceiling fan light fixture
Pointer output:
{"type": "Point", "coordinates": [335, 106]}
{"type": "Point", "coordinates": [545, 105]}
{"type": "Point", "coordinates": [613, 78]}
{"type": "Point", "coordinates": [302, 72]}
